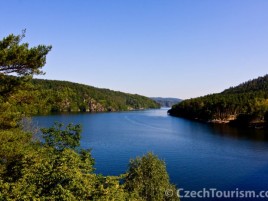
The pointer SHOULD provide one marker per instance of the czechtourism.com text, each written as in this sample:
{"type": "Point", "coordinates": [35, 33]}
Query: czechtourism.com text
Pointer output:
{"type": "Point", "coordinates": [215, 193]}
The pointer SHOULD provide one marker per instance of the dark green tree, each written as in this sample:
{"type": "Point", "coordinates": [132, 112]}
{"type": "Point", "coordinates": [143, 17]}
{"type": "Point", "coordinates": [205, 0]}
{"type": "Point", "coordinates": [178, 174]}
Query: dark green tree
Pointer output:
{"type": "Point", "coordinates": [17, 57]}
{"type": "Point", "coordinates": [61, 138]}
{"type": "Point", "coordinates": [147, 178]}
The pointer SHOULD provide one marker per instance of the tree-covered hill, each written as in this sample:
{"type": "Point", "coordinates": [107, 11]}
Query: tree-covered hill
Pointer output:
{"type": "Point", "coordinates": [166, 102]}
{"type": "Point", "coordinates": [63, 96]}
{"type": "Point", "coordinates": [246, 104]}
{"type": "Point", "coordinates": [259, 84]}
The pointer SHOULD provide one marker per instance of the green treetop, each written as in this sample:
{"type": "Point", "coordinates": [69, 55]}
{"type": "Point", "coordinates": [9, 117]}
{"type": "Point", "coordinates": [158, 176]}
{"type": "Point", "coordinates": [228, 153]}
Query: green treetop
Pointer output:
{"type": "Point", "coordinates": [19, 58]}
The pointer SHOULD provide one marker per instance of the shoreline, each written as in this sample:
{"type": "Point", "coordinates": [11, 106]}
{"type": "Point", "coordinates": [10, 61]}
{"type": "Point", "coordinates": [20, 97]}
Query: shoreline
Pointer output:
{"type": "Point", "coordinates": [235, 123]}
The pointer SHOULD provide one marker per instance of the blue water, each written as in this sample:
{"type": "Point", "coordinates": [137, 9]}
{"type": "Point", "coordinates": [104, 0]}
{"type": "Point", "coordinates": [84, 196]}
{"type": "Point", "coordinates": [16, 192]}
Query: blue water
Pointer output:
{"type": "Point", "coordinates": [197, 155]}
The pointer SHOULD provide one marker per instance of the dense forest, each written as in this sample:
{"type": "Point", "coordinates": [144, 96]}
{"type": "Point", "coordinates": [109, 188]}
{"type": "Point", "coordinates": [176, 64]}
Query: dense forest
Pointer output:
{"type": "Point", "coordinates": [56, 168]}
{"type": "Point", "coordinates": [245, 105]}
{"type": "Point", "coordinates": [63, 96]}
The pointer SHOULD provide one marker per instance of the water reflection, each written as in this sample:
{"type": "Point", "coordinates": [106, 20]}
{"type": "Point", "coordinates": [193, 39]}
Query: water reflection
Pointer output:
{"type": "Point", "coordinates": [239, 133]}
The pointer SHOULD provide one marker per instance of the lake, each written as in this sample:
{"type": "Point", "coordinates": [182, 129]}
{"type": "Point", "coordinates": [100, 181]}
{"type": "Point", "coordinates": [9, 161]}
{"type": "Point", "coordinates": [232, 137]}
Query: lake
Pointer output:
{"type": "Point", "coordinates": [197, 155]}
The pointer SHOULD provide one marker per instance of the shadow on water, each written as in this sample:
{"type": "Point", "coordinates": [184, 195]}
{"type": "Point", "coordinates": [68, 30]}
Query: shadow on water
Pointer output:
{"type": "Point", "coordinates": [226, 130]}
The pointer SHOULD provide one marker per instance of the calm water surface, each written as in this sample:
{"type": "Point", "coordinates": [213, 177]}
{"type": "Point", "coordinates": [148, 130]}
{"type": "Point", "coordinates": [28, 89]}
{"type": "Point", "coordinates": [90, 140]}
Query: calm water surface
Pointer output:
{"type": "Point", "coordinates": [197, 155]}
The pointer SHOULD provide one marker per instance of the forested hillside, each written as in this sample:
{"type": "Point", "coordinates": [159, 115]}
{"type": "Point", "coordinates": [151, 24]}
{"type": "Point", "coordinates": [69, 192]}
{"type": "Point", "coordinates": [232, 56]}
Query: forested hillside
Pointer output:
{"type": "Point", "coordinates": [59, 96]}
{"type": "Point", "coordinates": [259, 84]}
{"type": "Point", "coordinates": [166, 102]}
{"type": "Point", "coordinates": [246, 104]}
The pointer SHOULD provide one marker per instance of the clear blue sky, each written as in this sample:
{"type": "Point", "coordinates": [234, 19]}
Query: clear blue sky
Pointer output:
{"type": "Point", "coordinates": [168, 48]}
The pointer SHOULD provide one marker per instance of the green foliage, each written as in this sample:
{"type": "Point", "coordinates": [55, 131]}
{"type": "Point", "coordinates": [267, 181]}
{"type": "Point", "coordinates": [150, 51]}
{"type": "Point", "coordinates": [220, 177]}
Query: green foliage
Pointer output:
{"type": "Point", "coordinates": [30, 170]}
{"type": "Point", "coordinates": [247, 103]}
{"type": "Point", "coordinates": [19, 58]}
{"type": "Point", "coordinates": [46, 174]}
{"type": "Point", "coordinates": [62, 96]}
{"type": "Point", "coordinates": [148, 179]}
{"type": "Point", "coordinates": [14, 143]}
{"type": "Point", "coordinates": [11, 84]}
{"type": "Point", "coordinates": [16, 101]}
{"type": "Point", "coordinates": [109, 189]}
{"type": "Point", "coordinates": [259, 84]}
{"type": "Point", "coordinates": [60, 138]}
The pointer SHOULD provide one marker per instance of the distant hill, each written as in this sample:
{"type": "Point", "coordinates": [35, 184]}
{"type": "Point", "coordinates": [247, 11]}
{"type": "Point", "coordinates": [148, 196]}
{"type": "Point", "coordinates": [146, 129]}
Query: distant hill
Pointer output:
{"type": "Point", "coordinates": [166, 102]}
{"type": "Point", "coordinates": [245, 104]}
{"type": "Point", "coordinates": [63, 96]}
